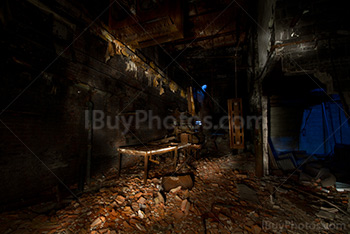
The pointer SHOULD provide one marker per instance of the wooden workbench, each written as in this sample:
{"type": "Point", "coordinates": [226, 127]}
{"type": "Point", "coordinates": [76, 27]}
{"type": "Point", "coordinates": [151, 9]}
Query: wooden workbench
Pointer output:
{"type": "Point", "coordinates": [148, 150]}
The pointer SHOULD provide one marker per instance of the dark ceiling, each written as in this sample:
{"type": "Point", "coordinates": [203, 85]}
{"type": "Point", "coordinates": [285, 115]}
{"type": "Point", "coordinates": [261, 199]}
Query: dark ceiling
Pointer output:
{"type": "Point", "coordinates": [205, 37]}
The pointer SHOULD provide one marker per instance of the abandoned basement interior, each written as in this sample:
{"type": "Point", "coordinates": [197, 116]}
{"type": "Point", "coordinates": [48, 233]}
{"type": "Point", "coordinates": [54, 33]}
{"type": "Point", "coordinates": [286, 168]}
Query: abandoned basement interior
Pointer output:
{"type": "Point", "coordinates": [174, 116]}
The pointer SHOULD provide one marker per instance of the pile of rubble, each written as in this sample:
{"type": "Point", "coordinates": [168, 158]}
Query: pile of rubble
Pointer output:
{"type": "Point", "coordinates": [214, 196]}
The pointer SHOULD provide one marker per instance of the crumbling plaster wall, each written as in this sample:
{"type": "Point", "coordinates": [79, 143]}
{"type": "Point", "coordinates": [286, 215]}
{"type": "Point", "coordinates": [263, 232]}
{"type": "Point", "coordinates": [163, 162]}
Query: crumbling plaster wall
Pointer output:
{"type": "Point", "coordinates": [313, 37]}
{"type": "Point", "coordinates": [45, 130]}
{"type": "Point", "coordinates": [262, 53]}
{"type": "Point", "coordinates": [262, 58]}
{"type": "Point", "coordinates": [308, 37]}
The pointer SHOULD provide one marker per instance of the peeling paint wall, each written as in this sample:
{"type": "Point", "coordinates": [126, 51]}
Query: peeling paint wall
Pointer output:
{"type": "Point", "coordinates": [155, 76]}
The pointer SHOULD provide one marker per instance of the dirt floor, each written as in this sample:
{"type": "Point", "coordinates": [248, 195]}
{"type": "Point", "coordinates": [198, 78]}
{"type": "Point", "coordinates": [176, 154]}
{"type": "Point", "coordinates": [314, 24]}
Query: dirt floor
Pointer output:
{"type": "Point", "coordinates": [226, 198]}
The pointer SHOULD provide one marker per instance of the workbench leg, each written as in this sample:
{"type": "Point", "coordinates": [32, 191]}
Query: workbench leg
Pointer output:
{"type": "Point", "coordinates": [189, 155]}
{"type": "Point", "coordinates": [146, 169]}
{"type": "Point", "coordinates": [119, 164]}
{"type": "Point", "coordinates": [175, 158]}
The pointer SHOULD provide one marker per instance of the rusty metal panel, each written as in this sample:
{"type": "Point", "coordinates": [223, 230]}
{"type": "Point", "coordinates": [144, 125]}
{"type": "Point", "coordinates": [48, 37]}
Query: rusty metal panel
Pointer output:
{"type": "Point", "coordinates": [236, 128]}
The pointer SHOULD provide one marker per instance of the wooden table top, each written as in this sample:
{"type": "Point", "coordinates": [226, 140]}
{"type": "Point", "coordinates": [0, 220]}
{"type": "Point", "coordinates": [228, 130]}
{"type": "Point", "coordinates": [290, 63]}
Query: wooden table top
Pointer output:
{"type": "Point", "coordinates": [152, 149]}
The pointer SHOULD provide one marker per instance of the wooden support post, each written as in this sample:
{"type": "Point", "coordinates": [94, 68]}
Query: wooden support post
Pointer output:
{"type": "Point", "coordinates": [119, 164]}
{"type": "Point", "coordinates": [265, 135]}
{"type": "Point", "coordinates": [90, 107]}
{"type": "Point", "coordinates": [175, 157]}
{"type": "Point", "coordinates": [190, 101]}
{"type": "Point", "coordinates": [187, 155]}
{"type": "Point", "coordinates": [258, 152]}
{"type": "Point", "coordinates": [273, 163]}
{"type": "Point", "coordinates": [146, 169]}
{"type": "Point", "coordinates": [235, 117]}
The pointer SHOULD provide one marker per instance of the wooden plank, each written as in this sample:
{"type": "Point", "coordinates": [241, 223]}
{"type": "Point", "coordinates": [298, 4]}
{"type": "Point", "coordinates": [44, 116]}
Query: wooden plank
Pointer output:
{"type": "Point", "coordinates": [175, 158]}
{"type": "Point", "coordinates": [153, 160]}
{"type": "Point", "coordinates": [132, 152]}
{"type": "Point", "coordinates": [142, 152]}
{"type": "Point", "coordinates": [259, 172]}
{"type": "Point", "coordinates": [236, 128]}
{"type": "Point", "coordinates": [145, 175]}
{"type": "Point", "coordinates": [265, 134]}
{"type": "Point", "coordinates": [273, 162]}
{"type": "Point", "coordinates": [190, 101]}
{"type": "Point", "coordinates": [184, 138]}
{"type": "Point", "coordinates": [147, 154]}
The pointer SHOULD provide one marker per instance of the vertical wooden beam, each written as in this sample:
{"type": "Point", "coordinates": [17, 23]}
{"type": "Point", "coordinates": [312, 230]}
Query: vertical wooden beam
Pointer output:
{"type": "Point", "coordinates": [145, 175]}
{"type": "Point", "coordinates": [265, 134]}
{"type": "Point", "coordinates": [258, 152]}
{"type": "Point", "coordinates": [175, 157]}
{"type": "Point", "coordinates": [197, 152]}
{"type": "Point", "coordinates": [235, 115]}
{"type": "Point", "coordinates": [273, 163]}
{"type": "Point", "coordinates": [90, 107]}
{"type": "Point", "coordinates": [190, 101]}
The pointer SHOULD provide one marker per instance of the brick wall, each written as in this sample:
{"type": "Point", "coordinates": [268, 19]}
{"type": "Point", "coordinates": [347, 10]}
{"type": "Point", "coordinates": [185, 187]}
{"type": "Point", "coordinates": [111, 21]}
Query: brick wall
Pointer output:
{"type": "Point", "coordinates": [49, 118]}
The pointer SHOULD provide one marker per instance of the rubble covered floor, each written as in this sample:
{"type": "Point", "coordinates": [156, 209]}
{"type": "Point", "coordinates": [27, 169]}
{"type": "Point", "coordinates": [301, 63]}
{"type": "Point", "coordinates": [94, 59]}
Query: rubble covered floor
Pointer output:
{"type": "Point", "coordinates": [225, 199]}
